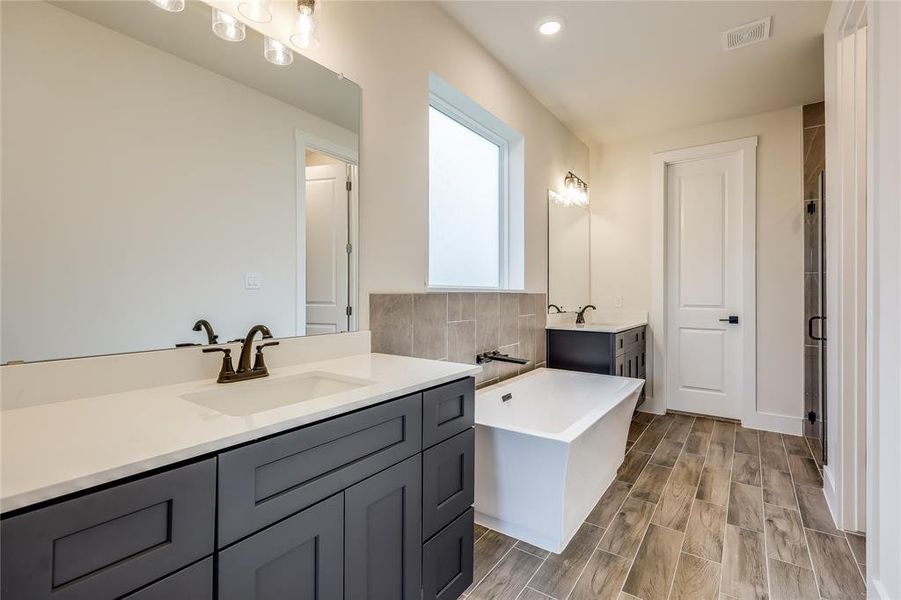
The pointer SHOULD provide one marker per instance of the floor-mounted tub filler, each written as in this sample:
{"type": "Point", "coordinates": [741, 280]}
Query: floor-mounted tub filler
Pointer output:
{"type": "Point", "coordinates": [548, 444]}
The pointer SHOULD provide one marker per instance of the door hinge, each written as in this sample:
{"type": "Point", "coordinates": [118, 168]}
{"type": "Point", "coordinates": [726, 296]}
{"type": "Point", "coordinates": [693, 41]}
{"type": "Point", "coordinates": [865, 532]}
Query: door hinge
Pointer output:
{"type": "Point", "coordinates": [349, 311]}
{"type": "Point", "coordinates": [812, 417]}
{"type": "Point", "coordinates": [811, 207]}
{"type": "Point", "coordinates": [349, 186]}
{"type": "Point", "coordinates": [349, 248]}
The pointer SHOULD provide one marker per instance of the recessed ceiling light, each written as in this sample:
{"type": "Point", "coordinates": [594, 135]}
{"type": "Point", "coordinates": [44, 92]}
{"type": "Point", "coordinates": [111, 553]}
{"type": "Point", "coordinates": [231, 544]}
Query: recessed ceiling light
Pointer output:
{"type": "Point", "coordinates": [550, 26]}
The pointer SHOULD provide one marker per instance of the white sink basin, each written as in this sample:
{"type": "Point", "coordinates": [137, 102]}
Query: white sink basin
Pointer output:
{"type": "Point", "coordinates": [254, 396]}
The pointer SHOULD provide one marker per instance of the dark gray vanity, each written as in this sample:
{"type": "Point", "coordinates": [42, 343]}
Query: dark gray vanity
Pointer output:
{"type": "Point", "coordinates": [375, 504]}
{"type": "Point", "coordinates": [622, 353]}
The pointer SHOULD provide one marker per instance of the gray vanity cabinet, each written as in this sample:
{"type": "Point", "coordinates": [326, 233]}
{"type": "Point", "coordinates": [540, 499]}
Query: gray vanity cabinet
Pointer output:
{"type": "Point", "coordinates": [623, 354]}
{"type": "Point", "coordinates": [300, 558]}
{"type": "Point", "coordinates": [382, 534]}
{"type": "Point", "coordinates": [375, 504]}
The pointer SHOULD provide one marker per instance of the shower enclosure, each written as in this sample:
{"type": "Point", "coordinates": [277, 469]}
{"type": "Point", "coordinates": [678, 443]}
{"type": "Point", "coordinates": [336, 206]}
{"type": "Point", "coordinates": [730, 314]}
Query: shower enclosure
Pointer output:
{"type": "Point", "coordinates": [815, 313]}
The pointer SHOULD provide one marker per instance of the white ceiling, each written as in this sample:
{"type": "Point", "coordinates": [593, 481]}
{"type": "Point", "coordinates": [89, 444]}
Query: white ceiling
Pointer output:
{"type": "Point", "coordinates": [625, 69]}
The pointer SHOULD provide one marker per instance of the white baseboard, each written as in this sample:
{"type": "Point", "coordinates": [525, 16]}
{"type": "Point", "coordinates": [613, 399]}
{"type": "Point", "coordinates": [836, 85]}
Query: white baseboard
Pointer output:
{"type": "Point", "coordinates": [831, 494]}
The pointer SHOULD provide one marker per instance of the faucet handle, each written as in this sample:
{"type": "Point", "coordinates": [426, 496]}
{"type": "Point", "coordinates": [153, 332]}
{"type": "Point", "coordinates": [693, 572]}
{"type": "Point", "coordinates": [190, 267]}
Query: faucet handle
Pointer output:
{"type": "Point", "coordinates": [259, 363]}
{"type": "Point", "coordinates": [227, 370]}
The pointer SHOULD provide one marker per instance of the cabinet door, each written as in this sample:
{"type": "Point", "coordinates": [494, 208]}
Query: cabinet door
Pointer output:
{"type": "Point", "coordinates": [447, 560]}
{"type": "Point", "coordinates": [301, 558]}
{"type": "Point", "coordinates": [382, 537]}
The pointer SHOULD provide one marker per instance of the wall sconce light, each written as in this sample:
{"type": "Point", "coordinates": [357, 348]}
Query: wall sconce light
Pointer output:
{"type": "Point", "coordinates": [305, 34]}
{"type": "Point", "coordinates": [277, 53]}
{"type": "Point", "coordinates": [575, 192]}
{"type": "Point", "coordinates": [170, 5]}
{"type": "Point", "coordinates": [257, 11]}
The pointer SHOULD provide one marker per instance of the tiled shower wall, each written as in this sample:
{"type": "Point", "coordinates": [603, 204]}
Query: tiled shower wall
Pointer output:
{"type": "Point", "coordinates": [457, 326]}
{"type": "Point", "coordinates": [814, 164]}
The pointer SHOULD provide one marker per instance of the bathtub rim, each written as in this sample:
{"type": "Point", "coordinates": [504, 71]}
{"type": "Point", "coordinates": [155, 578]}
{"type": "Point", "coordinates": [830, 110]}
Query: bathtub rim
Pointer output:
{"type": "Point", "coordinates": [575, 429]}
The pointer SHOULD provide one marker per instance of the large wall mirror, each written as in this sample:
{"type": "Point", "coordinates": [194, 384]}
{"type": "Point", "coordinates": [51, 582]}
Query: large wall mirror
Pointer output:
{"type": "Point", "coordinates": [154, 175]}
{"type": "Point", "coordinates": [568, 254]}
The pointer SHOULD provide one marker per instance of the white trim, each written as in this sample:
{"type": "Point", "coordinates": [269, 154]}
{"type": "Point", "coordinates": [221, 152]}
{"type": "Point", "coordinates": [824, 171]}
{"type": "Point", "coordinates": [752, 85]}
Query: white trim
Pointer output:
{"type": "Point", "coordinates": [883, 309]}
{"type": "Point", "coordinates": [747, 148]}
{"type": "Point", "coordinates": [304, 141]}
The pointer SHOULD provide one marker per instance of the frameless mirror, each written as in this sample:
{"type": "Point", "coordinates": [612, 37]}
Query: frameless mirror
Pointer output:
{"type": "Point", "coordinates": [568, 254]}
{"type": "Point", "coordinates": [154, 174]}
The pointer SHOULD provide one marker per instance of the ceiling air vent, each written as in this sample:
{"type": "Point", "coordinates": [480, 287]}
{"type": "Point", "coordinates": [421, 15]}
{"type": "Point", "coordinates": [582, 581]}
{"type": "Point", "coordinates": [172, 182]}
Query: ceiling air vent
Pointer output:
{"type": "Point", "coordinates": [747, 34]}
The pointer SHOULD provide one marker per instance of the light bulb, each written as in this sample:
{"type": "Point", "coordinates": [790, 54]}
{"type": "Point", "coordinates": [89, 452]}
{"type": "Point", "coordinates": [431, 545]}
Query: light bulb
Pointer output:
{"type": "Point", "coordinates": [170, 5]}
{"type": "Point", "coordinates": [550, 27]}
{"type": "Point", "coordinates": [277, 53]}
{"type": "Point", "coordinates": [257, 11]}
{"type": "Point", "coordinates": [227, 27]}
{"type": "Point", "coordinates": [304, 33]}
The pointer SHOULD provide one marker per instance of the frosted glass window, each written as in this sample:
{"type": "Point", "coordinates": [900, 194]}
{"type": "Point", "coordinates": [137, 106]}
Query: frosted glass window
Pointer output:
{"type": "Point", "coordinates": [465, 205]}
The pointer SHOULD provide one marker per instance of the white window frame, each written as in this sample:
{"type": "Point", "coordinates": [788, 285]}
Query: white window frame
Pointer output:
{"type": "Point", "coordinates": [511, 247]}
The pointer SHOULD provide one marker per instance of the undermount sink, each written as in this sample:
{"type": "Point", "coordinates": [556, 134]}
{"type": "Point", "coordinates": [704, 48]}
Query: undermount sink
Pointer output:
{"type": "Point", "coordinates": [249, 397]}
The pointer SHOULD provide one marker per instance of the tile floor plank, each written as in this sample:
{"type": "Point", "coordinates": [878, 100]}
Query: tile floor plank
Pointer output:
{"type": "Point", "coordinates": [650, 438]}
{"type": "Point", "coordinates": [703, 425]}
{"type": "Point", "coordinates": [705, 531]}
{"type": "Point", "coordinates": [607, 507]}
{"type": "Point", "coordinates": [675, 501]}
{"type": "Point", "coordinates": [858, 545]}
{"type": "Point", "coordinates": [559, 573]}
{"type": "Point", "coordinates": [508, 578]}
{"type": "Point", "coordinates": [650, 483]}
{"type": "Point", "coordinates": [667, 453]}
{"type": "Point", "coordinates": [790, 582]}
{"type": "Point", "coordinates": [632, 466]}
{"type": "Point", "coordinates": [744, 564]}
{"type": "Point", "coordinates": [714, 485]}
{"type": "Point", "coordinates": [746, 469]}
{"type": "Point", "coordinates": [487, 552]}
{"type": "Point", "coordinates": [778, 489]}
{"type": "Point", "coordinates": [804, 471]}
{"type": "Point", "coordinates": [697, 442]}
{"type": "Point", "coordinates": [796, 446]}
{"type": "Point", "coordinates": [636, 428]}
{"type": "Point", "coordinates": [772, 451]}
{"type": "Point", "coordinates": [745, 507]}
{"type": "Point", "coordinates": [834, 567]}
{"type": "Point", "coordinates": [814, 511]}
{"type": "Point", "coordinates": [655, 564]}
{"type": "Point", "coordinates": [785, 536]}
{"type": "Point", "coordinates": [478, 531]}
{"type": "Point", "coordinates": [533, 550]}
{"type": "Point", "coordinates": [679, 430]}
{"type": "Point", "coordinates": [722, 446]}
{"type": "Point", "coordinates": [603, 577]}
{"type": "Point", "coordinates": [530, 594]}
{"type": "Point", "coordinates": [628, 527]}
{"type": "Point", "coordinates": [696, 579]}
{"type": "Point", "coordinates": [746, 441]}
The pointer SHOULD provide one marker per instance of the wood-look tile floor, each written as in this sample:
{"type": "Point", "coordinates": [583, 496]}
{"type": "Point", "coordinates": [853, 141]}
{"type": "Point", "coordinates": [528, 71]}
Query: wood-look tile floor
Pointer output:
{"type": "Point", "coordinates": [700, 509]}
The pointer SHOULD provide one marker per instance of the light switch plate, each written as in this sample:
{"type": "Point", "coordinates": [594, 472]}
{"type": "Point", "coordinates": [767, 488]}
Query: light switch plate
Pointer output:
{"type": "Point", "coordinates": [253, 281]}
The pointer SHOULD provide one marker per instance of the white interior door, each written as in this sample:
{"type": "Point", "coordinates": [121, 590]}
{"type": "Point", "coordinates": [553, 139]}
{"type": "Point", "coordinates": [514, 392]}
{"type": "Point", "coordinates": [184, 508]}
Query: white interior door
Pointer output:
{"type": "Point", "coordinates": [326, 256]}
{"type": "Point", "coordinates": [704, 285]}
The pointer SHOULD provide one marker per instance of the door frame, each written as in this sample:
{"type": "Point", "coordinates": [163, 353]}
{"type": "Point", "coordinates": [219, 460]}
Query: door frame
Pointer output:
{"type": "Point", "coordinates": [306, 141]}
{"type": "Point", "coordinates": [746, 148]}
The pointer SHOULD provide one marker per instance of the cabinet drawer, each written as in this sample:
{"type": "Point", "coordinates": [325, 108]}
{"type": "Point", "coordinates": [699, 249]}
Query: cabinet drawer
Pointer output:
{"type": "Point", "coordinates": [447, 560]}
{"type": "Point", "coordinates": [624, 339]}
{"type": "Point", "coordinates": [447, 411]}
{"type": "Point", "coordinates": [269, 480]}
{"type": "Point", "coordinates": [300, 557]}
{"type": "Point", "coordinates": [448, 472]}
{"type": "Point", "coordinates": [106, 544]}
{"type": "Point", "coordinates": [193, 583]}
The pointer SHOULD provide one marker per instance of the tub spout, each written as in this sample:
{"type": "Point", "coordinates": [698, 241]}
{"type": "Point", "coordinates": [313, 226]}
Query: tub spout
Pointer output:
{"type": "Point", "coordinates": [485, 357]}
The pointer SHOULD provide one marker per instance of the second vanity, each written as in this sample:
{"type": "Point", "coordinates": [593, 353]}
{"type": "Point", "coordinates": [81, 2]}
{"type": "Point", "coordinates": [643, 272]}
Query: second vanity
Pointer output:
{"type": "Point", "coordinates": [362, 491]}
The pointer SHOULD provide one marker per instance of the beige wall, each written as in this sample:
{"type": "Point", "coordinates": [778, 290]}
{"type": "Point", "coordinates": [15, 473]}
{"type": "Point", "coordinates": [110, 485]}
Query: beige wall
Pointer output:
{"type": "Point", "coordinates": [389, 48]}
{"type": "Point", "coordinates": [621, 238]}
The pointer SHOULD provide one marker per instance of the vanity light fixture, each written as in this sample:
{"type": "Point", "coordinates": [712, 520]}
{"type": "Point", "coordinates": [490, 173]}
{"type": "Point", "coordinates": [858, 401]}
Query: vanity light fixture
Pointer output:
{"type": "Point", "coordinates": [277, 53]}
{"type": "Point", "coordinates": [304, 35]}
{"type": "Point", "coordinates": [170, 5]}
{"type": "Point", "coordinates": [258, 11]}
{"type": "Point", "coordinates": [550, 26]}
{"type": "Point", "coordinates": [575, 192]}
{"type": "Point", "coordinates": [227, 27]}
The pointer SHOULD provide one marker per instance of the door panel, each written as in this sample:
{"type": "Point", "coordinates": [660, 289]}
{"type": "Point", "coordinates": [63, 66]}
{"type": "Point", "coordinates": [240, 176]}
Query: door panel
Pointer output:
{"type": "Point", "coordinates": [326, 235]}
{"type": "Point", "coordinates": [703, 285]}
{"type": "Point", "coordinates": [383, 542]}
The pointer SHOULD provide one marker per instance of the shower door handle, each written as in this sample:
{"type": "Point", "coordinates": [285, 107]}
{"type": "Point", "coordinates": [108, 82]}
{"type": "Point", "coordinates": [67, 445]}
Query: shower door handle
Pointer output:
{"type": "Point", "coordinates": [810, 334]}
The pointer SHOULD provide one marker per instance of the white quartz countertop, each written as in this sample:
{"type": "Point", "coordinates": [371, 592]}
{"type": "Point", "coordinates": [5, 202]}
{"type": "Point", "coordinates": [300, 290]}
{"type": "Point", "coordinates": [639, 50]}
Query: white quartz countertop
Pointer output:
{"type": "Point", "coordinates": [54, 449]}
{"type": "Point", "coordinates": [601, 327]}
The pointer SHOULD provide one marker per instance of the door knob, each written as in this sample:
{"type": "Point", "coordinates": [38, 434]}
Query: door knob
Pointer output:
{"type": "Point", "coordinates": [731, 319]}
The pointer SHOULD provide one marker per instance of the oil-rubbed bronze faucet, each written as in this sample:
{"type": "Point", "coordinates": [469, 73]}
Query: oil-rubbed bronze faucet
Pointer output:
{"type": "Point", "coordinates": [211, 336]}
{"type": "Point", "coordinates": [580, 318]}
{"type": "Point", "coordinates": [227, 373]}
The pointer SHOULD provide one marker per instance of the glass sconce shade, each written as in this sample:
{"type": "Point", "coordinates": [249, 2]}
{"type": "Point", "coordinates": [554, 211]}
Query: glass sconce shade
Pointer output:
{"type": "Point", "coordinates": [170, 5]}
{"type": "Point", "coordinates": [277, 53]}
{"type": "Point", "coordinates": [227, 27]}
{"type": "Point", "coordinates": [258, 11]}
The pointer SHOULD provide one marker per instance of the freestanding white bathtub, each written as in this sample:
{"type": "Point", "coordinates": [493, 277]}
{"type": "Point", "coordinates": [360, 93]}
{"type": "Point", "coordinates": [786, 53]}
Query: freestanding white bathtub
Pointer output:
{"type": "Point", "coordinates": [548, 444]}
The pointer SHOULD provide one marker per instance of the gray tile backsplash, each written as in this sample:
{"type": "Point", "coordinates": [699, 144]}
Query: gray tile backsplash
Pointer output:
{"type": "Point", "coordinates": [457, 326]}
